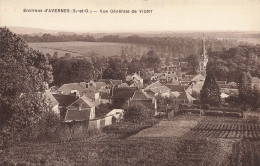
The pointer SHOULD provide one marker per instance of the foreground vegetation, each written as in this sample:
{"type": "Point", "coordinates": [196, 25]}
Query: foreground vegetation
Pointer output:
{"type": "Point", "coordinates": [109, 149]}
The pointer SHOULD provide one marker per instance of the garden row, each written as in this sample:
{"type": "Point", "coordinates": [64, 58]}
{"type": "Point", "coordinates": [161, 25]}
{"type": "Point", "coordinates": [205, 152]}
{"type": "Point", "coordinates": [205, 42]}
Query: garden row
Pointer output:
{"type": "Point", "coordinates": [224, 134]}
{"type": "Point", "coordinates": [228, 126]}
{"type": "Point", "coordinates": [225, 130]}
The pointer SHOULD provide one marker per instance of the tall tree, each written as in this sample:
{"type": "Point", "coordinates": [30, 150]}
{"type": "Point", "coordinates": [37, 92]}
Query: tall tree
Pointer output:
{"type": "Point", "coordinates": [244, 86]}
{"type": "Point", "coordinates": [24, 74]}
{"type": "Point", "coordinates": [69, 70]}
{"type": "Point", "coordinates": [210, 92]}
{"type": "Point", "coordinates": [256, 99]}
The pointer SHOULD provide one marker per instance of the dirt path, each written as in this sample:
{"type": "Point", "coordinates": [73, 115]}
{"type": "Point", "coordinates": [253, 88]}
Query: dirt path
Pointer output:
{"type": "Point", "coordinates": [170, 128]}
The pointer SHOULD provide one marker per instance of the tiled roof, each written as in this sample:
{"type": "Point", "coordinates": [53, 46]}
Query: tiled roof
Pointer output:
{"type": "Point", "coordinates": [123, 93]}
{"type": "Point", "coordinates": [136, 76]}
{"type": "Point", "coordinates": [84, 102]}
{"type": "Point", "coordinates": [64, 100]}
{"type": "Point", "coordinates": [110, 81]}
{"type": "Point", "coordinates": [198, 77]}
{"type": "Point", "coordinates": [100, 84]}
{"type": "Point", "coordinates": [139, 95]}
{"type": "Point", "coordinates": [178, 88]}
{"type": "Point", "coordinates": [161, 89]}
{"type": "Point", "coordinates": [150, 93]}
{"type": "Point", "coordinates": [66, 88]}
{"type": "Point", "coordinates": [153, 85]}
{"type": "Point", "coordinates": [116, 82]}
{"type": "Point", "coordinates": [90, 90]}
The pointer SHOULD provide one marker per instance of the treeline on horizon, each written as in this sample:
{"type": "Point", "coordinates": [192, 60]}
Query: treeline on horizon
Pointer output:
{"type": "Point", "coordinates": [227, 56]}
{"type": "Point", "coordinates": [178, 46]}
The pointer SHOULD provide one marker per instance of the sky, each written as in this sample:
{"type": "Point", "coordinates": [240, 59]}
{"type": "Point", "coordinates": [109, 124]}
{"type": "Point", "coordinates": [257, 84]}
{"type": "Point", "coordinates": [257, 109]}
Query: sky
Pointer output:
{"type": "Point", "coordinates": [167, 15]}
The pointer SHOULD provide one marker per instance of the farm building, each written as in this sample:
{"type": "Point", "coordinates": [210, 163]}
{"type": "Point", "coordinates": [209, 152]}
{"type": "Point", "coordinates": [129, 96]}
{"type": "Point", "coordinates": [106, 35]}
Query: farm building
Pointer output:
{"type": "Point", "coordinates": [82, 109]}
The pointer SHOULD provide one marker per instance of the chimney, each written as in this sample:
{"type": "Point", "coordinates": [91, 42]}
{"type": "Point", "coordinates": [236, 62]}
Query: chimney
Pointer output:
{"type": "Point", "coordinates": [74, 94]}
{"type": "Point", "coordinates": [112, 91]}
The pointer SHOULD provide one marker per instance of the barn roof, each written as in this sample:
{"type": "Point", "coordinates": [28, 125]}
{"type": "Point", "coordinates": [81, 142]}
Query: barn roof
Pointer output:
{"type": "Point", "coordinates": [123, 93]}
{"type": "Point", "coordinates": [178, 88]}
{"type": "Point", "coordinates": [73, 86]}
{"type": "Point", "coordinates": [83, 102]}
{"type": "Point", "coordinates": [139, 95]}
{"type": "Point", "coordinates": [160, 89]}
{"type": "Point", "coordinates": [64, 100]}
{"type": "Point", "coordinates": [153, 85]}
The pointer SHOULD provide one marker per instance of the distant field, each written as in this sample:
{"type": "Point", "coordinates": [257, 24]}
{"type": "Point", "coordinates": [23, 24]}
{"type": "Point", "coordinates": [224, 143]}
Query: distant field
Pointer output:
{"type": "Point", "coordinates": [87, 48]}
{"type": "Point", "coordinates": [249, 40]}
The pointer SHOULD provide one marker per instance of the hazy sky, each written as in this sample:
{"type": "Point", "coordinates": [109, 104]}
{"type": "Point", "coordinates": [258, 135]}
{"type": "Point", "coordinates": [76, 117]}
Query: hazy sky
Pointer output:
{"type": "Point", "coordinates": [168, 15]}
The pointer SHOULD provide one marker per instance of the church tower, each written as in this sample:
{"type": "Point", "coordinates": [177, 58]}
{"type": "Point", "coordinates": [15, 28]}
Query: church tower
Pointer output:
{"type": "Point", "coordinates": [203, 59]}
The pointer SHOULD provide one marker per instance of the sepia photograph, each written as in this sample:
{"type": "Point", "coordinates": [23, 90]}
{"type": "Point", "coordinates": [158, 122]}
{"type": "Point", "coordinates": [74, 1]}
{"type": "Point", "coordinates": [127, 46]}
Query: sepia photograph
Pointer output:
{"type": "Point", "coordinates": [130, 82]}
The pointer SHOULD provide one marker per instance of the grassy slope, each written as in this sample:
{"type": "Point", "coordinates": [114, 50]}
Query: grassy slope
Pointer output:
{"type": "Point", "coordinates": [108, 149]}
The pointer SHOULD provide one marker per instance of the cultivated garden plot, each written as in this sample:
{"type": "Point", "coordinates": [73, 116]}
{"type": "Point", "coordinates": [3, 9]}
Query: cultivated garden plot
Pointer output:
{"type": "Point", "coordinates": [227, 128]}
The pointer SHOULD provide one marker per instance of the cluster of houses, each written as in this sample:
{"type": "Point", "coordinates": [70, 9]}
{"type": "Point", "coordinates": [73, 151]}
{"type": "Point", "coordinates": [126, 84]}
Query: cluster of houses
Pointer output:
{"type": "Point", "coordinates": [78, 101]}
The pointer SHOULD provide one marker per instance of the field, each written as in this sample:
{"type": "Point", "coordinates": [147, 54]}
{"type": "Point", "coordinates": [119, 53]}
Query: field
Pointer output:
{"type": "Point", "coordinates": [176, 141]}
{"type": "Point", "coordinates": [227, 130]}
{"type": "Point", "coordinates": [244, 136]}
{"type": "Point", "coordinates": [88, 48]}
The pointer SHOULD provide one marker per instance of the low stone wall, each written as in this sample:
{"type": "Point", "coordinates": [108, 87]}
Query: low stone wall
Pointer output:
{"type": "Point", "coordinates": [106, 121]}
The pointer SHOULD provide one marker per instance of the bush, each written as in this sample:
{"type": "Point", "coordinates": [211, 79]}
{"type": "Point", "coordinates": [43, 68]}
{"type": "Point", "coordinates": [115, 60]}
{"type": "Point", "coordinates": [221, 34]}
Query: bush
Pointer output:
{"type": "Point", "coordinates": [102, 109]}
{"type": "Point", "coordinates": [206, 106]}
{"type": "Point", "coordinates": [45, 128]}
{"type": "Point", "coordinates": [137, 113]}
{"type": "Point", "coordinates": [42, 130]}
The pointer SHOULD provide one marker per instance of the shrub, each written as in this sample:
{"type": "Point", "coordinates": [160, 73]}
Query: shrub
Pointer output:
{"type": "Point", "coordinates": [102, 109]}
{"type": "Point", "coordinates": [46, 127]}
{"type": "Point", "coordinates": [137, 113]}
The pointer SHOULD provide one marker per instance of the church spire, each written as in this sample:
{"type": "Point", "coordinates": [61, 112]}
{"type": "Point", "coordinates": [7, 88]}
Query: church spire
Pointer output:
{"type": "Point", "coordinates": [203, 46]}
